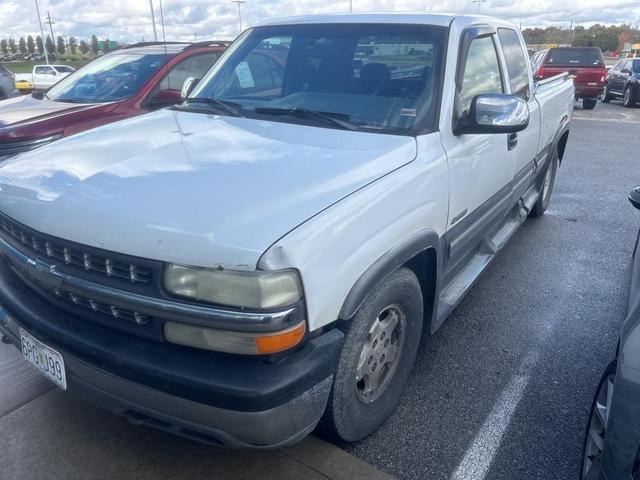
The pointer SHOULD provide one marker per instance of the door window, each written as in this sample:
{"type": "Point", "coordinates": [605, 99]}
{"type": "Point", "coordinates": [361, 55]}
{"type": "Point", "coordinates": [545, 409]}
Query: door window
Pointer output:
{"type": "Point", "coordinates": [44, 71]}
{"type": "Point", "coordinates": [168, 90]}
{"type": "Point", "coordinates": [481, 73]}
{"type": "Point", "coordinates": [618, 65]}
{"type": "Point", "coordinates": [516, 62]}
{"type": "Point", "coordinates": [195, 66]}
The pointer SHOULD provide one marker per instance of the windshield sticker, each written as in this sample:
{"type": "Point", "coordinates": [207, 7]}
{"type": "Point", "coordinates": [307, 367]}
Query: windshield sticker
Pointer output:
{"type": "Point", "coordinates": [408, 112]}
{"type": "Point", "coordinates": [243, 72]}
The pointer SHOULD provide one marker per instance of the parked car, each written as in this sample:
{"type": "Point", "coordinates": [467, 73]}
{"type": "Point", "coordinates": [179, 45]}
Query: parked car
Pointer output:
{"type": "Point", "coordinates": [121, 84]}
{"type": "Point", "coordinates": [45, 76]}
{"type": "Point", "coordinates": [623, 81]}
{"type": "Point", "coordinates": [612, 440]}
{"type": "Point", "coordinates": [585, 64]}
{"type": "Point", "coordinates": [7, 84]}
{"type": "Point", "coordinates": [267, 254]}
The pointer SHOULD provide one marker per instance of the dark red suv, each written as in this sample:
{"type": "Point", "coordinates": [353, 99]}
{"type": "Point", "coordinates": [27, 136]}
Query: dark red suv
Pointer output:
{"type": "Point", "coordinates": [586, 64]}
{"type": "Point", "coordinates": [118, 85]}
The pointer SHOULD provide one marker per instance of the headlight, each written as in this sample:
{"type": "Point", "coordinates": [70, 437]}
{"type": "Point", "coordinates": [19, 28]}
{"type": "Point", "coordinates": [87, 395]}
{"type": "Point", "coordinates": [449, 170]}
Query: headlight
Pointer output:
{"type": "Point", "coordinates": [257, 289]}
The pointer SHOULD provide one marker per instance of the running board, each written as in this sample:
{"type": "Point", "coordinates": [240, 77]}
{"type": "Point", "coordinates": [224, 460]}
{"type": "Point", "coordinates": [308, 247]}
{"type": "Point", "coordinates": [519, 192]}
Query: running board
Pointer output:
{"type": "Point", "coordinates": [453, 292]}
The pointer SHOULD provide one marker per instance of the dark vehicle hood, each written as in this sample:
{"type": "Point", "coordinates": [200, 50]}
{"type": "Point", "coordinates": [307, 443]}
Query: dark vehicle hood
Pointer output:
{"type": "Point", "coordinates": [26, 109]}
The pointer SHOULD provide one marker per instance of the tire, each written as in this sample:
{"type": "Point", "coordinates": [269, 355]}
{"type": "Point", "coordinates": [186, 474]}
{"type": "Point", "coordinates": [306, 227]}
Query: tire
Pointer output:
{"type": "Point", "coordinates": [591, 453]}
{"type": "Point", "coordinates": [589, 103]}
{"type": "Point", "coordinates": [355, 408]}
{"type": "Point", "coordinates": [542, 203]}
{"type": "Point", "coordinates": [606, 94]}
{"type": "Point", "coordinates": [628, 99]}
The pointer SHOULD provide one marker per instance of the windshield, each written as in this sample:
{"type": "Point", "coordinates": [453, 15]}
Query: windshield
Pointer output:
{"type": "Point", "coordinates": [575, 57]}
{"type": "Point", "coordinates": [382, 78]}
{"type": "Point", "coordinates": [111, 77]}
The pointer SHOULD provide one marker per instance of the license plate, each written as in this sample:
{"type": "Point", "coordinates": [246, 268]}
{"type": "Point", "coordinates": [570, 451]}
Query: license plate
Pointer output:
{"type": "Point", "coordinates": [45, 359]}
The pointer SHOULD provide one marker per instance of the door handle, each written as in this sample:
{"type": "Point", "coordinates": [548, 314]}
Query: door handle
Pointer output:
{"type": "Point", "coordinates": [512, 141]}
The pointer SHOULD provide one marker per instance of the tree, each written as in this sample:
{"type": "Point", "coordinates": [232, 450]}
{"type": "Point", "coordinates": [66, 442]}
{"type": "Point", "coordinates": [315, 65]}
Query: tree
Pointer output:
{"type": "Point", "coordinates": [73, 43]}
{"type": "Point", "coordinates": [31, 45]}
{"type": "Point", "coordinates": [61, 47]}
{"type": "Point", "coordinates": [94, 45]}
{"type": "Point", "coordinates": [51, 48]}
{"type": "Point", "coordinates": [105, 45]}
{"type": "Point", "coordinates": [12, 45]}
{"type": "Point", "coordinates": [22, 45]}
{"type": "Point", "coordinates": [4, 46]}
{"type": "Point", "coordinates": [40, 45]}
{"type": "Point", "coordinates": [84, 48]}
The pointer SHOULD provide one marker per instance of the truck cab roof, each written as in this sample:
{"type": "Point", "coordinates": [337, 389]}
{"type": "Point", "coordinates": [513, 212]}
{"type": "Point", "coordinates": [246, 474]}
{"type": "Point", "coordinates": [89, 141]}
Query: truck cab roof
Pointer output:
{"type": "Point", "coordinates": [438, 19]}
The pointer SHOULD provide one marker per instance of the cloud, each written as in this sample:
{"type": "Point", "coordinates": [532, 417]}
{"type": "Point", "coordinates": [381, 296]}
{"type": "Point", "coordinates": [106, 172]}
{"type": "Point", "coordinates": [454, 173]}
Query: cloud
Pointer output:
{"type": "Point", "coordinates": [129, 20]}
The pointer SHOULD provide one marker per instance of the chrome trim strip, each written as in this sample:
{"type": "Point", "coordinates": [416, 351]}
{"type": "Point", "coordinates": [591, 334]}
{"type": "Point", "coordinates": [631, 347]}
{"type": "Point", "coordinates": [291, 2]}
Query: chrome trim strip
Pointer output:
{"type": "Point", "coordinates": [47, 275]}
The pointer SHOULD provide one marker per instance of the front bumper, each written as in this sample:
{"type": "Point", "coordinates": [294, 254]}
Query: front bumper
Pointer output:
{"type": "Point", "coordinates": [218, 398]}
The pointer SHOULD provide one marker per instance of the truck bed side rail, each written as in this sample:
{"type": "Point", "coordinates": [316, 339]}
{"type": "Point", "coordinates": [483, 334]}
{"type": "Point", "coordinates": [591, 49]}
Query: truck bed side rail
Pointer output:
{"type": "Point", "coordinates": [561, 77]}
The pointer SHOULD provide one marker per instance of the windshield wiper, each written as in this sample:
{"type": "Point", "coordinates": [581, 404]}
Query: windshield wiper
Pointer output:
{"type": "Point", "coordinates": [229, 107]}
{"type": "Point", "coordinates": [327, 117]}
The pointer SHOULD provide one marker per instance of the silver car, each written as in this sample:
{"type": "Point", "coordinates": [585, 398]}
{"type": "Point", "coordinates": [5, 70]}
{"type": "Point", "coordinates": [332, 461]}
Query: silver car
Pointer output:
{"type": "Point", "coordinates": [7, 84]}
{"type": "Point", "coordinates": [612, 440]}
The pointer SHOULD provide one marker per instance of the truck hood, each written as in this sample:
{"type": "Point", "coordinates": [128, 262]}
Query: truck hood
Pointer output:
{"type": "Point", "coordinates": [192, 188]}
{"type": "Point", "coordinates": [25, 108]}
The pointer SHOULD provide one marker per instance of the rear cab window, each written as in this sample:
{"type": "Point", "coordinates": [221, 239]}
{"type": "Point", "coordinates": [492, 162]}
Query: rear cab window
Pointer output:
{"type": "Point", "coordinates": [575, 57]}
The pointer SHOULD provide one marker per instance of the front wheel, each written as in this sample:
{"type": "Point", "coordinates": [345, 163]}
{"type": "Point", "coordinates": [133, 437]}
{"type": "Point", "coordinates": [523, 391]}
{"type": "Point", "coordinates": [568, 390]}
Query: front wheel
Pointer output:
{"type": "Point", "coordinates": [597, 427]}
{"type": "Point", "coordinates": [627, 98]}
{"type": "Point", "coordinates": [547, 187]}
{"type": "Point", "coordinates": [380, 348]}
{"type": "Point", "coordinates": [606, 94]}
{"type": "Point", "coordinates": [589, 103]}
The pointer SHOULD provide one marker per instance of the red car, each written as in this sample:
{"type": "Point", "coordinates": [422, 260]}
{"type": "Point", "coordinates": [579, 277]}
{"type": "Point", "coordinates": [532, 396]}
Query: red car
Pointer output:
{"type": "Point", "coordinates": [586, 64]}
{"type": "Point", "coordinates": [118, 85]}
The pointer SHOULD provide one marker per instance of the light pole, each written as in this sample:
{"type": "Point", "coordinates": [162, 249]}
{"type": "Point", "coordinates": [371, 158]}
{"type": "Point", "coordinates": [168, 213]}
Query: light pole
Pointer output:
{"type": "Point", "coordinates": [51, 22]}
{"type": "Point", "coordinates": [478, 2]}
{"type": "Point", "coordinates": [351, 5]}
{"type": "Point", "coordinates": [153, 21]}
{"type": "Point", "coordinates": [239, 12]}
{"type": "Point", "coordinates": [44, 47]}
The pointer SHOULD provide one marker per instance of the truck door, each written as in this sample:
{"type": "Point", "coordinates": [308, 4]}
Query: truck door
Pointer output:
{"type": "Point", "coordinates": [481, 168]}
{"type": "Point", "coordinates": [522, 146]}
{"type": "Point", "coordinates": [43, 76]}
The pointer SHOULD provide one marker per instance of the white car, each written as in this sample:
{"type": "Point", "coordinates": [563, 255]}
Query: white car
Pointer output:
{"type": "Point", "coordinates": [45, 76]}
{"type": "Point", "coordinates": [267, 255]}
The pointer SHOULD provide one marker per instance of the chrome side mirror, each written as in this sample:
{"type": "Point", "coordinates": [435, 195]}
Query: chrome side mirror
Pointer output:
{"type": "Point", "coordinates": [495, 113]}
{"type": "Point", "coordinates": [188, 86]}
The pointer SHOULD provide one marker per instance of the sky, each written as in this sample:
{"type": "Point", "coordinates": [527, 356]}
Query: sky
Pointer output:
{"type": "Point", "coordinates": [186, 20]}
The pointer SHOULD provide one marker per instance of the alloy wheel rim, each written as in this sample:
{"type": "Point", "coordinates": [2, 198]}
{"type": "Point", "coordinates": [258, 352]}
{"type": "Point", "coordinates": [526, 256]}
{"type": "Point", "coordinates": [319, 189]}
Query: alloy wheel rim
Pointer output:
{"type": "Point", "coordinates": [597, 429]}
{"type": "Point", "coordinates": [605, 92]}
{"type": "Point", "coordinates": [380, 353]}
{"type": "Point", "coordinates": [627, 97]}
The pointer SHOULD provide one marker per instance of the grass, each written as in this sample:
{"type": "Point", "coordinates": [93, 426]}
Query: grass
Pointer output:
{"type": "Point", "coordinates": [27, 67]}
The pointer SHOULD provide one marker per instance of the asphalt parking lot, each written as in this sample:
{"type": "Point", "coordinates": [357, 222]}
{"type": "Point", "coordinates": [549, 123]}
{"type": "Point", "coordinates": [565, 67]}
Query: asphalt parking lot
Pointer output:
{"type": "Point", "coordinates": [502, 391]}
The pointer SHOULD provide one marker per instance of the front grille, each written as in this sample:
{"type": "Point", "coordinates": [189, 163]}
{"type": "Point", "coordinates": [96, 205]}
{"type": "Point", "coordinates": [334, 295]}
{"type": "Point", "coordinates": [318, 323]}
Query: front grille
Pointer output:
{"type": "Point", "coordinates": [75, 255]}
{"type": "Point", "coordinates": [100, 307]}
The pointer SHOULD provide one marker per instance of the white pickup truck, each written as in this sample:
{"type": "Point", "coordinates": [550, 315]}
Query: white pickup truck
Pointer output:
{"type": "Point", "coordinates": [44, 77]}
{"type": "Point", "coordinates": [266, 256]}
